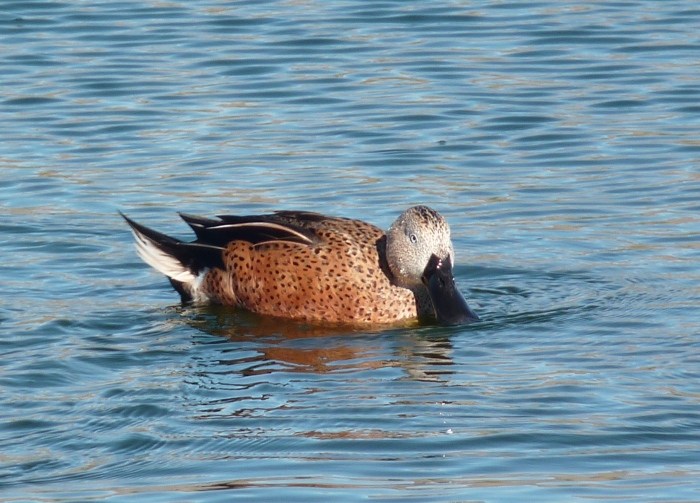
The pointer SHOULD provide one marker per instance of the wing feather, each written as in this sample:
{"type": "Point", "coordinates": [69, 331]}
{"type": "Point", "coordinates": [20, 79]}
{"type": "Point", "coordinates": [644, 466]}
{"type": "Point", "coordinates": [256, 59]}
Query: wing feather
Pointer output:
{"type": "Point", "coordinates": [253, 229]}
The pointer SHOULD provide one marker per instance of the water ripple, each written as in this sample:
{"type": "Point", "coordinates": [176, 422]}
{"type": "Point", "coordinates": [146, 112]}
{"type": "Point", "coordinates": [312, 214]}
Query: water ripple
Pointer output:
{"type": "Point", "coordinates": [560, 141]}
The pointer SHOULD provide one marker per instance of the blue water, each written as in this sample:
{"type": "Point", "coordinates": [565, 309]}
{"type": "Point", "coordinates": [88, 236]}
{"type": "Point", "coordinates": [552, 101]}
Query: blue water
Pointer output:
{"type": "Point", "coordinates": [561, 140]}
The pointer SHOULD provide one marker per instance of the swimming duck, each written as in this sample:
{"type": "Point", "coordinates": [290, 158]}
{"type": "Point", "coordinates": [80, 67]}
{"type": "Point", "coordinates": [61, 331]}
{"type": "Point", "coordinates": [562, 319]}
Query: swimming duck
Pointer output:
{"type": "Point", "coordinates": [304, 265]}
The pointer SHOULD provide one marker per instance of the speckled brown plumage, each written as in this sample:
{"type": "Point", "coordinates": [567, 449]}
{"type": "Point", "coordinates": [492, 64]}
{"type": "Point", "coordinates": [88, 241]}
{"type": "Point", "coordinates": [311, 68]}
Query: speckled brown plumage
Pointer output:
{"type": "Point", "coordinates": [299, 265]}
{"type": "Point", "coordinates": [338, 279]}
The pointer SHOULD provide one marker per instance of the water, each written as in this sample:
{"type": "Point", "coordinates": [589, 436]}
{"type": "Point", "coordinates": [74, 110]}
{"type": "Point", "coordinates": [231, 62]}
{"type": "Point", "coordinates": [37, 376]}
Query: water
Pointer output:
{"type": "Point", "coordinates": [559, 139]}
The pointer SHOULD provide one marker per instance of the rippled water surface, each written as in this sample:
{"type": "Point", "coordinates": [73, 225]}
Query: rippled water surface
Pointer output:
{"type": "Point", "coordinates": [561, 140]}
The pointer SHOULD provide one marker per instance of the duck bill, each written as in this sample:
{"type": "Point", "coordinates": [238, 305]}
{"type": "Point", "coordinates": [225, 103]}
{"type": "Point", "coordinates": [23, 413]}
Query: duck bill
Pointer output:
{"type": "Point", "coordinates": [449, 304]}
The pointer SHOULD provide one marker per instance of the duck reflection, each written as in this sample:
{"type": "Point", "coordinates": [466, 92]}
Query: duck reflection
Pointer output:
{"type": "Point", "coordinates": [423, 352]}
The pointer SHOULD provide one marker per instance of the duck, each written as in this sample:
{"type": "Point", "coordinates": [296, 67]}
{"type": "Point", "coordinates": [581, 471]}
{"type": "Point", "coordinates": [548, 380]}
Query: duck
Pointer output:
{"type": "Point", "coordinates": [308, 266]}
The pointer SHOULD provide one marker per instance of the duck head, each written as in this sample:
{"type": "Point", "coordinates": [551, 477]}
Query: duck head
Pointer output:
{"type": "Point", "coordinates": [420, 254]}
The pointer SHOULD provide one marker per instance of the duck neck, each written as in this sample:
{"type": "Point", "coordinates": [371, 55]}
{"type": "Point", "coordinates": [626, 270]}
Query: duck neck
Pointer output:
{"type": "Point", "coordinates": [424, 305]}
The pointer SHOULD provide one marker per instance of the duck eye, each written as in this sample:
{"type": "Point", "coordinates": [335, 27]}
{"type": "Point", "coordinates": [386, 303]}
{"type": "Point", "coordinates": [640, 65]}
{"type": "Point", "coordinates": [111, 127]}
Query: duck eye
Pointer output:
{"type": "Point", "coordinates": [413, 238]}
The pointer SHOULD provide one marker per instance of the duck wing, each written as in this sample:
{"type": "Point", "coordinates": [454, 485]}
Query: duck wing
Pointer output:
{"type": "Point", "coordinates": [289, 226]}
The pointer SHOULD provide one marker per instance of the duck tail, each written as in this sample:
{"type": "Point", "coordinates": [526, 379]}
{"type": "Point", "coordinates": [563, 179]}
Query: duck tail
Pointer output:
{"type": "Point", "coordinates": [183, 263]}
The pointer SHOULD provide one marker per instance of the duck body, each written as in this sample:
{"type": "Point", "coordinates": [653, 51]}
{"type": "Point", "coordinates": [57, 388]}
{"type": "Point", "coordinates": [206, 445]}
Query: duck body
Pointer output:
{"type": "Point", "coordinates": [304, 265]}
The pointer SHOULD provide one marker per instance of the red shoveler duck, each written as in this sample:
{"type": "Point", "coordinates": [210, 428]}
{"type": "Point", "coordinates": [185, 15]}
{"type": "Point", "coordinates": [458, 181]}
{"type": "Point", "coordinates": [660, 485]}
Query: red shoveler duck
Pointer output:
{"type": "Point", "coordinates": [308, 266]}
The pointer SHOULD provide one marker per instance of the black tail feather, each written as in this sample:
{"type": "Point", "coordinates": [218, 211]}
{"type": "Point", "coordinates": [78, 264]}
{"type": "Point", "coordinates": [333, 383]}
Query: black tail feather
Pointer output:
{"type": "Point", "coordinates": [194, 256]}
